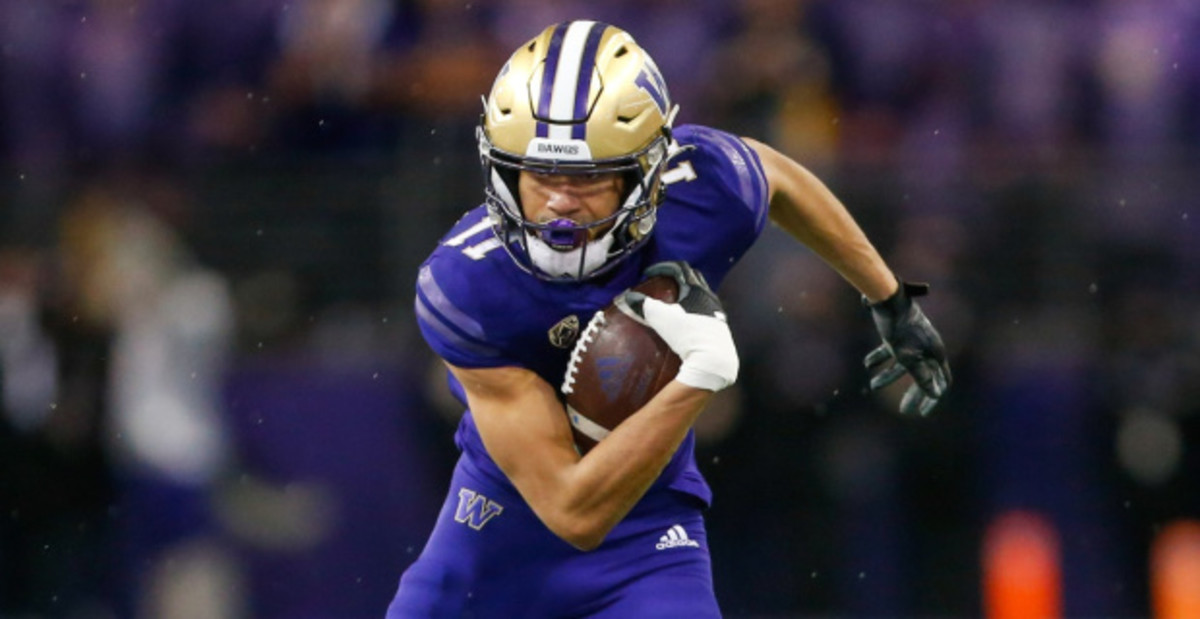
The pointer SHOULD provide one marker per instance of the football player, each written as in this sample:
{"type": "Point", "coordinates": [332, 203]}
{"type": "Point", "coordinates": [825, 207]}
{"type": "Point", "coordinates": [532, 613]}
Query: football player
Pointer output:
{"type": "Point", "coordinates": [587, 186]}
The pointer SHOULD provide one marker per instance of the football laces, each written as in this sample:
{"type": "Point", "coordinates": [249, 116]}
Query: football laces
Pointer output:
{"type": "Point", "coordinates": [581, 346]}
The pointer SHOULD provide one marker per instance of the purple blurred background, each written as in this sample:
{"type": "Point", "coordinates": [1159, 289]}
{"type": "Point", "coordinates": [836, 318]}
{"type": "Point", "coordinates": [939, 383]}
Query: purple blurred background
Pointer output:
{"type": "Point", "coordinates": [214, 402]}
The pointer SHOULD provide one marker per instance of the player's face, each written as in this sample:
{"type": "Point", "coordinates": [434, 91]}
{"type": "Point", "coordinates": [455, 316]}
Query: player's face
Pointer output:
{"type": "Point", "coordinates": [580, 198]}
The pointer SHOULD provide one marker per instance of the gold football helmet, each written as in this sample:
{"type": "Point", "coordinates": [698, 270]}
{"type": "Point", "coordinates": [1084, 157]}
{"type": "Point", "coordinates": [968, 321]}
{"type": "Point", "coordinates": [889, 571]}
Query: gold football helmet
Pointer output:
{"type": "Point", "coordinates": [580, 98]}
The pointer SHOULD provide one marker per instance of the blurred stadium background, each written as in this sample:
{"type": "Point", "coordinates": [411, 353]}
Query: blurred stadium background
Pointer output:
{"type": "Point", "coordinates": [214, 403]}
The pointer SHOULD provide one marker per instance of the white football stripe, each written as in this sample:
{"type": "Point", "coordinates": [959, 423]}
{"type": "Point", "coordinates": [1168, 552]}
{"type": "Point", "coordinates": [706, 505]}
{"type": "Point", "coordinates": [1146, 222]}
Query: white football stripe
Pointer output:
{"type": "Point", "coordinates": [589, 428]}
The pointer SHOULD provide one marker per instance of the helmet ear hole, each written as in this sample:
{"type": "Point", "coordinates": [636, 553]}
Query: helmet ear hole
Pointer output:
{"type": "Point", "coordinates": [630, 181]}
{"type": "Point", "coordinates": [511, 178]}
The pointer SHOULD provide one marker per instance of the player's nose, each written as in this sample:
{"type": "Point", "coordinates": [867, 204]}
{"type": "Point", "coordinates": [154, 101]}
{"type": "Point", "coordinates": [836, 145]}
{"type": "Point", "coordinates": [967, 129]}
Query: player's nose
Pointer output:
{"type": "Point", "coordinates": [563, 202]}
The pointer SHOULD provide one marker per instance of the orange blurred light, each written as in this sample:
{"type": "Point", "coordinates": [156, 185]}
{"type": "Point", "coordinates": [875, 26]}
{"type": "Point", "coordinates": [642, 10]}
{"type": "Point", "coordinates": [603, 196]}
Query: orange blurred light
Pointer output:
{"type": "Point", "coordinates": [1021, 571]}
{"type": "Point", "coordinates": [1175, 571]}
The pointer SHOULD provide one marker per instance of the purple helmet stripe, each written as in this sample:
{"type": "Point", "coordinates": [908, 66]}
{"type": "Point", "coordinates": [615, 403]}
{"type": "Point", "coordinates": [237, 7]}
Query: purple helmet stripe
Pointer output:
{"type": "Point", "coordinates": [548, 73]}
{"type": "Point", "coordinates": [584, 84]}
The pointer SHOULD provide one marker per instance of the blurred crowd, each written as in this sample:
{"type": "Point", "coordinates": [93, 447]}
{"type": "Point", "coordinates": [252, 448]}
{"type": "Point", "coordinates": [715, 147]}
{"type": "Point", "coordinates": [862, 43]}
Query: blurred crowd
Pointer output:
{"type": "Point", "coordinates": [214, 403]}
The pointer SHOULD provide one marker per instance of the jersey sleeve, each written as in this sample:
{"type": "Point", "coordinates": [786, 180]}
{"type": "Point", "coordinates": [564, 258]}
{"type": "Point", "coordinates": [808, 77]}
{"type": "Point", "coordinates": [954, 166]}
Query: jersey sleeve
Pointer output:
{"type": "Point", "coordinates": [451, 331]}
{"type": "Point", "coordinates": [457, 316]}
{"type": "Point", "coordinates": [717, 201]}
{"type": "Point", "coordinates": [735, 170]}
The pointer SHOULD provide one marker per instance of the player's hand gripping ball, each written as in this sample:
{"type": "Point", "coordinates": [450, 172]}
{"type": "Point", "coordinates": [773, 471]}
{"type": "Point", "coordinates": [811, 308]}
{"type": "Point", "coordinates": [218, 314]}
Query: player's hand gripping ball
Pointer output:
{"type": "Point", "coordinates": [617, 366]}
{"type": "Point", "coordinates": [670, 327]}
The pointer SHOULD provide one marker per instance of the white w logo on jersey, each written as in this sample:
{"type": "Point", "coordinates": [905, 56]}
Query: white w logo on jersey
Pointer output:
{"type": "Point", "coordinates": [475, 510]}
{"type": "Point", "coordinates": [675, 538]}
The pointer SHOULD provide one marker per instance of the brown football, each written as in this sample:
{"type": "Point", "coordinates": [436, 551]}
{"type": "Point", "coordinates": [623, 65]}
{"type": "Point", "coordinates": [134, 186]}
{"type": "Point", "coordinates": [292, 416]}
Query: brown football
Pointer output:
{"type": "Point", "coordinates": [617, 366]}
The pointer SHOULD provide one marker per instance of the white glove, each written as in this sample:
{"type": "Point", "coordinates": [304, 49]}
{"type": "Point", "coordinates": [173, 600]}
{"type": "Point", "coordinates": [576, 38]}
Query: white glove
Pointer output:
{"type": "Point", "coordinates": [695, 327]}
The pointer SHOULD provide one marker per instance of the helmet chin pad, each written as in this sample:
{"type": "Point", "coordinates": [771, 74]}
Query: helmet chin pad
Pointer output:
{"type": "Point", "coordinates": [569, 264]}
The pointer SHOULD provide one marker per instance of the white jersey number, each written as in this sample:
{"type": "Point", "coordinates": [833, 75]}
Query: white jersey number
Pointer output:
{"type": "Point", "coordinates": [478, 250]}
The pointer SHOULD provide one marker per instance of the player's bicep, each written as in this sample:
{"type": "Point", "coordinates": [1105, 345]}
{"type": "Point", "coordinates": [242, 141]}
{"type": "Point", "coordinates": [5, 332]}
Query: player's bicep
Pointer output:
{"type": "Point", "coordinates": [522, 424]}
{"type": "Point", "coordinates": [780, 173]}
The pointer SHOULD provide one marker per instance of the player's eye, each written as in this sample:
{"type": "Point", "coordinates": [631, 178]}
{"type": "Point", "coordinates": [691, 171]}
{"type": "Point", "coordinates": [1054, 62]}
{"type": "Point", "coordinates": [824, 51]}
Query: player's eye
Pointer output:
{"type": "Point", "coordinates": [595, 178]}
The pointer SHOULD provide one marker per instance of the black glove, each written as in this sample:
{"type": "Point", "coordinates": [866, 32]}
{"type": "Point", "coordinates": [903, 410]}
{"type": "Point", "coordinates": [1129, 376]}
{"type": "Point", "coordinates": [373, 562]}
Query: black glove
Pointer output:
{"type": "Point", "coordinates": [694, 293]}
{"type": "Point", "coordinates": [694, 327]}
{"type": "Point", "coordinates": [914, 344]}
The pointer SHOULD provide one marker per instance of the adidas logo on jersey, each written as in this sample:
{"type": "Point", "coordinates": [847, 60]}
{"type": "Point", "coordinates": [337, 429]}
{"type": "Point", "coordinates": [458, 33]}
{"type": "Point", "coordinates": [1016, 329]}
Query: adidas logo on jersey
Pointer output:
{"type": "Point", "coordinates": [675, 538]}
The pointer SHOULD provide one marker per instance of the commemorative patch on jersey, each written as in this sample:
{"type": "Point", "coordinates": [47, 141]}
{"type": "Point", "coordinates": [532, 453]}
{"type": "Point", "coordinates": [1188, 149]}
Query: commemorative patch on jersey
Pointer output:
{"type": "Point", "coordinates": [563, 334]}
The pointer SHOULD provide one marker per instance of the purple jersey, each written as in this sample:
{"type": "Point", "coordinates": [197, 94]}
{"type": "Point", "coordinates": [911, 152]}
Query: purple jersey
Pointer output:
{"type": "Point", "coordinates": [477, 309]}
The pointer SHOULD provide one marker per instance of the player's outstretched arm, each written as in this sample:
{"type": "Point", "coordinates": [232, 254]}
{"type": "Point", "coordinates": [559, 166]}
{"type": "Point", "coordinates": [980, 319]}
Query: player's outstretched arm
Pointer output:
{"type": "Point", "coordinates": [806, 209]}
{"type": "Point", "coordinates": [803, 206]}
{"type": "Point", "coordinates": [526, 432]}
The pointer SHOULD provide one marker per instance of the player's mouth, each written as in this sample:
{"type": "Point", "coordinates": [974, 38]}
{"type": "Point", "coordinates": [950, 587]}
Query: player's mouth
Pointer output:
{"type": "Point", "coordinates": [564, 234]}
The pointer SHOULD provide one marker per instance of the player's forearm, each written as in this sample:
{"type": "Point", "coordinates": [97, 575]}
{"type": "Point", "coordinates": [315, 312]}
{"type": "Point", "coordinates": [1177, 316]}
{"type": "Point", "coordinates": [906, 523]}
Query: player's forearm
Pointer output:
{"type": "Point", "coordinates": [810, 212]}
{"type": "Point", "coordinates": [616, 473]}
{"type": "Point", "coordinates": [526, 432]}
